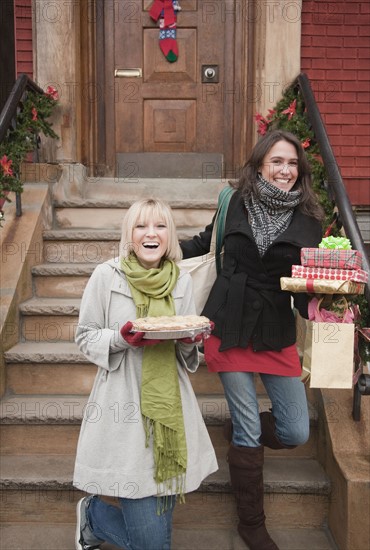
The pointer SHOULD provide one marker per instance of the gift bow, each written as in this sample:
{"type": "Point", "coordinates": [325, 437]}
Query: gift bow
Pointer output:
{"type": "Point", "coordinates": [337, 243]}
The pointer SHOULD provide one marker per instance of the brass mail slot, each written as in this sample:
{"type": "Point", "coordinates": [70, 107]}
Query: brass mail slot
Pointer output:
{"type": "Point", "coordinates": [128, 73]}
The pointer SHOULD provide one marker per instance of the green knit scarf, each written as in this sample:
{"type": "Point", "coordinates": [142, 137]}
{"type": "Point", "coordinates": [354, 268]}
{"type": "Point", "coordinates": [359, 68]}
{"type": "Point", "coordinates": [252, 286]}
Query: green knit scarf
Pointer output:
{"type": "Point", "coordinates": [160, 390]}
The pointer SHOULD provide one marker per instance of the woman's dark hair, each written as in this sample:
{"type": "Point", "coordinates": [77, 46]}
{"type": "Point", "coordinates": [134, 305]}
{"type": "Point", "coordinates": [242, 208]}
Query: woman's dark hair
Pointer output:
{"type": "Point", "coordinates": [247, 182]}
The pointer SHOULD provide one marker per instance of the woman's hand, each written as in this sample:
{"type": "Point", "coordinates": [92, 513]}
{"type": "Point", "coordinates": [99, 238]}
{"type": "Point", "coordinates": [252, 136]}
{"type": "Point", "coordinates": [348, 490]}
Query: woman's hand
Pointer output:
{"type": "Point", "coordinates": [195, 340]}
{"type": "Point", "coordinates": [199, 337]}
{"type": "Point", "coordinates": [136, 339]}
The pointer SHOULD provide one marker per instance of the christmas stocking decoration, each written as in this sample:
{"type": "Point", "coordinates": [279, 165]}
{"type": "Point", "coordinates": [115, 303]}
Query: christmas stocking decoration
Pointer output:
{"type": "Point", "coordinates": [167, 41]}
{"type": "Point", "coordinates": [165, 11]}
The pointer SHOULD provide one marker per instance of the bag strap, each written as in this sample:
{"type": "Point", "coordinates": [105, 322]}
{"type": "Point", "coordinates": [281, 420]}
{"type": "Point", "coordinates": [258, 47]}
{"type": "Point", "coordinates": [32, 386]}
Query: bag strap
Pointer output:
{"type": "Point", "coordinates": [222, 207]}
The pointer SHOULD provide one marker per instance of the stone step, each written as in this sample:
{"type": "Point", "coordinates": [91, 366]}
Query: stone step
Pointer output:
{"type": "Point", "coordinates": [77, 378]}
{"type": "Point", "coordinates": [50, 306]}
{"type": "Point", "coordinates": [33, 424]}
{"type": "Point", "coordinates": [18, 439]}
{"type": "Point", "coordinates": [90, 245]}
{"type": "Point", "coordinates": [69, 409]}
{"type": "Point", "coordinates": [58, 367]}
{"type": "Point", "coordinates": [33, 360]}
{"type": "Point", "coordinates": [34, 366]}
{"type": "Point", "coordinates": [43, 536]}
{"type": "Point", "coordinates": [46, 352]}
{"type": "Point", "coordinates": [61, 280]}
{"type": "Point", "coordinates": [103, 235]}
{"type": "Point", "coordinates": [63, 378]}
{"type": "Point", "coordinates": [46, 322]}
{"type": "Point", "coordinates": [297, 492]}
{"type": "Point", "coordinates": [176, 191]}
{"type": "Point", "coordinates": [109, 215]}
{"type": "Point", "coordinates": [46, 364]}
{"type": "Point", "coordinates": [54, 320]}
{"type": "Point", "coordinates": [42, 328]}
{"type": "Point", "coordinates": [49, 319]}
{"type": "Point", "coordinates": [50, 378]}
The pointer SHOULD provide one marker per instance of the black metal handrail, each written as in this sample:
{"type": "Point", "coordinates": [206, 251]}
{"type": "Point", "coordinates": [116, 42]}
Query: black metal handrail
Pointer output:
{"type": "Point", "coordinates": [339, 194]}
{"type": "Point", "coordinates": [9, 113]}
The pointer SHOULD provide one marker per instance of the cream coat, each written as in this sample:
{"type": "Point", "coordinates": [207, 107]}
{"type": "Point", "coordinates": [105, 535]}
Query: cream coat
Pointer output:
{"type": "Point", "coordinates": [111, 456]}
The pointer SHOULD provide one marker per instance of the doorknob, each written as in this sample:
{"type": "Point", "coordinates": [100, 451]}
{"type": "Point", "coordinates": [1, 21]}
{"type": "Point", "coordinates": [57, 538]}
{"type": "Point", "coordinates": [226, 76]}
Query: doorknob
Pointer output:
{"type": "Point", "coordinates": [128, 73]}
{"type": "Point", "coordinates": [210, 73]}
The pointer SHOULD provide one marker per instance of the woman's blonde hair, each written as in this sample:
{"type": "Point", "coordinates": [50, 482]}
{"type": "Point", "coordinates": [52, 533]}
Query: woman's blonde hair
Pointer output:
{"type": "Point", "coordinates": [140, 211]}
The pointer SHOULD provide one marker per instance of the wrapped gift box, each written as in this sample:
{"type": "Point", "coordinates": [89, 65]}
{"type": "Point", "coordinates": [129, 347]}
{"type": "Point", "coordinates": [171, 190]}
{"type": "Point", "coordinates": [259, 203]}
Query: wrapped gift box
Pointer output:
{"type": "Point", "coordinates": [357, 275]}
{"type": "Point", "coordinates": [321, 286]}
{"type": "Point", "coordinates": [331, 258]}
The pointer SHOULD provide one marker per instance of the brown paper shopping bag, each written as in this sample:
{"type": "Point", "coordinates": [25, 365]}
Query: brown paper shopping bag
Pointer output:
{"type": "Point", "coordinates": [328, 355]}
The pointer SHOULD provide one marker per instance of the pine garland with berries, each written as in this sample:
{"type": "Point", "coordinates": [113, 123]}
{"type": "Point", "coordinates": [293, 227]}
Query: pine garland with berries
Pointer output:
{"type": "Point", "coordinates": [22, 139]}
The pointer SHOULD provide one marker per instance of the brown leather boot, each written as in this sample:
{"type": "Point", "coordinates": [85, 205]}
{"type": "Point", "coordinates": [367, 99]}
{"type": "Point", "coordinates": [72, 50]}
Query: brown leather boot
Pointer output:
{"type": "Point", "coordinates": [268, 432]}
{"type": "Point", "coordinates": [246, 465]}
{"type": "Point", "coordinates": [228, 430]}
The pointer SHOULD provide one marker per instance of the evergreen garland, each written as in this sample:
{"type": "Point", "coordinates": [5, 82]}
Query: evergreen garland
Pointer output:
{"type": "Point", "coordinates": [22, 139]}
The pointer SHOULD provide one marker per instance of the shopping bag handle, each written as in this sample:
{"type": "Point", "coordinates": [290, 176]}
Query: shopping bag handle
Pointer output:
{"type": "Point", "coordinates": [222, 207]}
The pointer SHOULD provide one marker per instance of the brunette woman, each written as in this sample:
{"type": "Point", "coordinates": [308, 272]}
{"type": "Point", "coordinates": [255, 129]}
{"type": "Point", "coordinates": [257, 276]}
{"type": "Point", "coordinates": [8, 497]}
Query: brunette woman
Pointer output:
{"type": "Point", "coordinates": [272, 214]}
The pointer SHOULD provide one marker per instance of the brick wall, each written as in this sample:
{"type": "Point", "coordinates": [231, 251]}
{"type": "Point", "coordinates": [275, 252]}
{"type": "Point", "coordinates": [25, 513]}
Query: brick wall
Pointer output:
{"type": "Point", "coordinates": [23, 37]}
{"type": "Point", "coordinates": [336, 58]}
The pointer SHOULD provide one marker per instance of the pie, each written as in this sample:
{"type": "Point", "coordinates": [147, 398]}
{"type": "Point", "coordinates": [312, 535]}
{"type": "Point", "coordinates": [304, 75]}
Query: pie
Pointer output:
{"type": "Point", "coordinates": [170, 323]}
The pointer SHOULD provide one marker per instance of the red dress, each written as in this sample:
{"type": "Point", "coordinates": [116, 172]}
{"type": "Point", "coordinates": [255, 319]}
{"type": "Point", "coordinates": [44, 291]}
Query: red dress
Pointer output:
{"type": "Point", "coordinates": [283, 363]}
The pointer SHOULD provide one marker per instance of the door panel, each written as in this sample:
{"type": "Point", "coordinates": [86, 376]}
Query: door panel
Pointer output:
{"type": "Point", "coordinates": [170, 125]}
{"type": "Point", "coordinates": [168, 109]}
{"type": "Point", "coordinates": [158, 69]}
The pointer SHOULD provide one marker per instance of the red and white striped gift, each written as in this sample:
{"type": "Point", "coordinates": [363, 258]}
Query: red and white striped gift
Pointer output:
{"type": "Point", "coordinates": [357, 275]}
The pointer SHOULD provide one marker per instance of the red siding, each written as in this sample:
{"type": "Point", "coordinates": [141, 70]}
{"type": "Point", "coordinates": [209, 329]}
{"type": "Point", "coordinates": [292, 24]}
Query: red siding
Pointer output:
{"type": "Point", "coordinates": [336, 57]}
{"type": "Point", "coordinates": [23, 37]}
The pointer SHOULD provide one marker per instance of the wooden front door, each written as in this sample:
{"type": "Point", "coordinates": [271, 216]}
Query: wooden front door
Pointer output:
{"type": "Point", "coordinates": [169, 109]}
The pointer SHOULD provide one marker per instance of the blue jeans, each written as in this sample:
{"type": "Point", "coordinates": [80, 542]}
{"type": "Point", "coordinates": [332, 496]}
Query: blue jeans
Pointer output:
{"type": "Point", "coordinates": [134, 526]}
{"type": "Point", "coordinates": [289, 407]}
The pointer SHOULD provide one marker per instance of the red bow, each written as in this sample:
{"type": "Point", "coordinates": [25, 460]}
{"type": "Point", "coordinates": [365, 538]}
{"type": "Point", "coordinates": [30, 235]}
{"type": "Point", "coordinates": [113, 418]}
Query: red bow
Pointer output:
{"type": "Point", "coordinates": [167, 7]}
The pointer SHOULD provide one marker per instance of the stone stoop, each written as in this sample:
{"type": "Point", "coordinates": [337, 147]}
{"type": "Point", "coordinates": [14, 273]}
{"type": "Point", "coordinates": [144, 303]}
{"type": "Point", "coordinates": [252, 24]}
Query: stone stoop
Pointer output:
{"type": "Point", "coordinates": [48, 381]}
{"type": "Point", "coordinates": [39, 436]}
{"type": "Point", "coordinates": [61, 537]}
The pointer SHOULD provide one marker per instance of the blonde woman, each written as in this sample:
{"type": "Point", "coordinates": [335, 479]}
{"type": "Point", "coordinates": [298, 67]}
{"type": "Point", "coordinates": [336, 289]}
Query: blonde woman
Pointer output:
{"type": "Point", "coordinates": [142, 439]}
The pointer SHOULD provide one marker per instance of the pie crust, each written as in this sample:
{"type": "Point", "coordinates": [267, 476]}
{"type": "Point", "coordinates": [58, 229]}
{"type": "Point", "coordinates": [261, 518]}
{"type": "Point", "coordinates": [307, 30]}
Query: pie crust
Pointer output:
{"type": "Point", "coordinates": [170, 323]}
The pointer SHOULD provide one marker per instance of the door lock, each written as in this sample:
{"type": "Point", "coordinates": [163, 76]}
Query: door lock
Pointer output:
{"type": "Point", "coordinates": [210, 73]}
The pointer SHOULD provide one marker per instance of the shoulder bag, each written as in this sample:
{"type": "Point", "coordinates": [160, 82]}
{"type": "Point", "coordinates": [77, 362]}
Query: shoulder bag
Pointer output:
{"type": "Point", "coordinates": [204, 269]}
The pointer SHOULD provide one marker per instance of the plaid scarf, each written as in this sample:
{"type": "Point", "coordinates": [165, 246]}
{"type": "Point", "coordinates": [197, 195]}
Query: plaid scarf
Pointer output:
{"type": "Point", "coordinates": [271, 212]}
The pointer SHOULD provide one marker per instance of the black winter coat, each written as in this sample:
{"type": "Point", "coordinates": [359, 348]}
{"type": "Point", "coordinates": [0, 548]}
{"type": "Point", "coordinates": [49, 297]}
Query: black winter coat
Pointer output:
{"type": "Point", "coordinates": [246, 302]}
